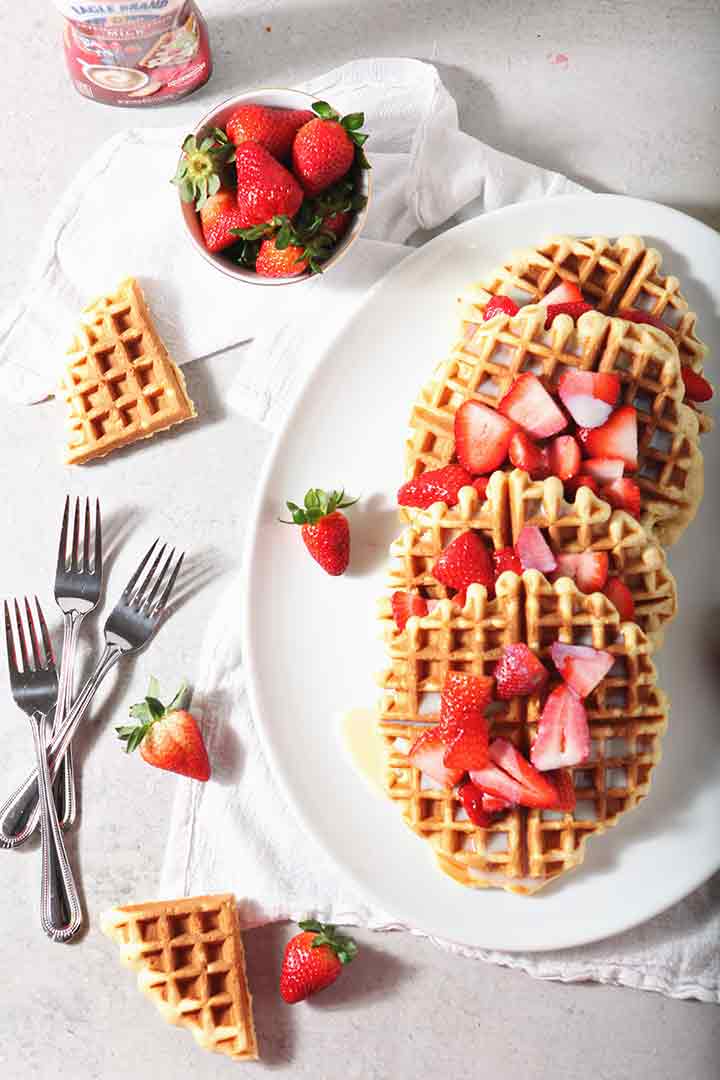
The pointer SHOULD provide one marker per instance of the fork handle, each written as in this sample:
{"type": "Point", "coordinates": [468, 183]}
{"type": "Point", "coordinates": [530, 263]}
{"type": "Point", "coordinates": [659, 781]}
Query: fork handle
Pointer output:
{"type": "Point", "coordinates": [64, 787]}
{"type": "Point", "coordinates": [20, 812]}
{"type": "Point", "coordinates": [60, 911]}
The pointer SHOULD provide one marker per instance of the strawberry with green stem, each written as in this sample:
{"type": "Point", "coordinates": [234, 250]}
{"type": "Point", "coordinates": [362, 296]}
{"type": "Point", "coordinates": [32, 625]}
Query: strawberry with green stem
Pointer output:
{"type": "Point", "coordinates": [200, 170]}
{"type": "Point", "coordinates": [313, 960]}
{"type": "Point", "coordinates": [168, 735]}
{"type": "Point", "coordinates": [324, 528]}
{"type": "Point", "coordinates": [327, 147]}
{"type": "Point", "coordinates": [301, 249]}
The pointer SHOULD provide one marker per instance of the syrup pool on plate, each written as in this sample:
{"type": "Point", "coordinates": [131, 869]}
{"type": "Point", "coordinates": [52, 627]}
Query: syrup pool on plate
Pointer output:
{"type": "Point", "coordinates": [364, 746]}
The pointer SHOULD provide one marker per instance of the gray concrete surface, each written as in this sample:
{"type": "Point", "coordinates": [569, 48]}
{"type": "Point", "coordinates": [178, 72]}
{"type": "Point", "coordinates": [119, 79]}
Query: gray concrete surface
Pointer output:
{"type": "Point", "coordinates": [633, 109]}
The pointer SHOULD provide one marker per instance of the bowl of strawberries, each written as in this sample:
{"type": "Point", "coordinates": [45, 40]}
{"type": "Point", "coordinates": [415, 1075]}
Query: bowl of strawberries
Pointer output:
{"type": "Point", "coordinates": [274, 186]}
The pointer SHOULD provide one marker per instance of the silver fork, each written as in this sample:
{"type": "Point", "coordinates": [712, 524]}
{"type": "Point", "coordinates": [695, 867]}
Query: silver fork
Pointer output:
{"type": "Point", "coordinates": [77, 591]}
{"type": "Point", "coordinates": [35, 689]}
{"type": "Point", "coordinates": [130, 625]}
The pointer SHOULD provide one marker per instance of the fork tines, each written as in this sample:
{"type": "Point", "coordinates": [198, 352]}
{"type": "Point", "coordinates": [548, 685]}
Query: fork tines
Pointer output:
{"type": "Point", "coordinates": [69, 561]}
{"type": "Point", "coordinates": [43, 658]}
{"type": "Point", "coordinates": [144, 597]}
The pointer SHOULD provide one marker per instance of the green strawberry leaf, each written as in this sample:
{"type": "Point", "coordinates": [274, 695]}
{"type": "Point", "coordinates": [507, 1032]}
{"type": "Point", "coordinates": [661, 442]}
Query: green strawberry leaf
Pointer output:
{"type": "Point", "coordinates": [353, 121]}
{"type": "Point", "coordinates": [182, 698]}
{"type": "Point", "coordinates": [141, 712]}
{"type": "Point", "coordinates": [325, 111]}
{"type": "Point", "coordinates": [155, 708]}
{"type": "Point", "coordinates": [312, 925]}
{"type": "Point", "coordinates": [153, 688]}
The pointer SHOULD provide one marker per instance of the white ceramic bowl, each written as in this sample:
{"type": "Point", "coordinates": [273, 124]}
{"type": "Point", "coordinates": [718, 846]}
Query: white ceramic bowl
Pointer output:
{"type": "Point", "coordinates": [218, 117]}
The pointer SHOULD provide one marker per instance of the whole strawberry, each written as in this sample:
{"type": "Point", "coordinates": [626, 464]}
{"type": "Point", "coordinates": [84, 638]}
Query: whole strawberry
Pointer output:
{"type": "Point", "coordinates": [273, 261]}
{"type": "Point", "coordinates": [272, 128]}
{"type": "Point", "coordinates": [325, 529]}
{"type": "Point", "coordinates": [202, 166]}
{"type": "Point", "coordinates": [325, 148]}
{"type": "Point", "coordinates": [219, 215]}
{"type": "Point", "coordinates": [168, 735]}
{"type": "Point", "coordinates": [265, 188]}
{"type": "Point", "coordinates": [313, 960]}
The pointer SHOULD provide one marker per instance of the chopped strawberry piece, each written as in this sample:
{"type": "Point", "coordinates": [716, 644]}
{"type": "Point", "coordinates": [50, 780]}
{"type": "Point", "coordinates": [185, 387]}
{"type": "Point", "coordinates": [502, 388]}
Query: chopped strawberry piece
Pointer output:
{"type": "Point", "coordinates": [617, 438]}
{"type": "Point", "coordinates": [427, 753]}
{"type": "Point", "coordinates": [574, 308]}
{"type": "Point", "coordinates": [533, 550]}
{"type": "Point", "coordinates": [564, 454]}
{"type": "Point", "coordinates": [528, 404]}
{"type": "Point", "coordinates": [500, 303]}
{"type": "Point", "coordinates": [506, 559]}
{"type": "Point", "coordinates": [464, 695]}
{"type": "Point", "coordinates": [696, 387]}
{"type": "Point", "coordinates": [589, 396]}
{"type": "Point", "coordinates": [581, 667]}
{"type": "Point", "coordinates": [637, 315]}
{"type": "Point", "coordinates": [480, 484]}
{"type": "Point", "coordinates": [618, 594]}
{"type": "Point", "coordinates": [466, 745]}
{"type": "Point", "coordinates": [527, 455]}
{"type": "Point", "coordinates": [623, 494]}
{"type": "Point", "coordinates": [583, 480]}
{"type": "Point", "coordinates": [465, 560]}
{"type": "Point", "coordinates": [511, 777]}
{"type": "Point", "coordinates": [482, 437]}
{"type": "Point", "coordinates": [562, 781]}
{"type": "Point", "coordinates": [437, 485]}
{"type": "Point", "coordinates": [563, 736]}
{"type": "Point", "coordinates": [492, 805]}
{"type": "Point", "coordinates": [588, 569]}
{"type": "Point", "coordinates": [471, 798]}
{"type": "Point", "coordinates": [605, 470]}
{"type": "Point", "coordinates": [404, 605]}
{"type": "Point", "coordinates": [519, 672]}
{"type": "Point", "coordinates": [564, 293]}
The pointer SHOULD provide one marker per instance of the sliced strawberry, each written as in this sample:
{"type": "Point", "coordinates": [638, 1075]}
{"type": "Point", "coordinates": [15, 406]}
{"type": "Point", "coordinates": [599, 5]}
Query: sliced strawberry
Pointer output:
{"type": "Point", "coordinates": [519, 672]}
{"type": "Point", "coordinates": [589, 396]}
{"type": "Point", "coordinates": [467, 745]}
{"type": "Point", "coordinates": [564, 293]}
{"type": "Point", "coordinates": [637, 315]}
{"type": "Point", "coordinates": [480, 484]}
{"type": "Point", "coordinates": [492, 805]}
{"type": "Point", "coordinates": [472, 799]}
{"type": "Point", "coordinates": [513, 778]}
{"type": "Point", "coordinates": [427, 753]}
{"type": "Point", "coordinates": [405, 604]}
{"type": "Point", "coordinates": [581, 667]}
{"type": "Point", "coordinates": [563, 736]}
{"type": "Point", "coordinates": [696, 387]}
{"type": "Point", "coordinates": [623, 494]}
{"type": "Point", "coordinates": [527, 455]}
{"type": "Point", "coordinates": [582, 480]}
{"type": "Point", "coordinates": [562, 781]}
{"type": "Point", "coordinates": [564, 454]}
{"type": "Point", "coordinates": [617, 438]}
{"type": "Point", "coordinates": [528, 404]}
{"type": "Point", "coordinates": [500, 303]}
{"type": "Point", "coordinates": [482, 437]}
{"type": "Point", "coordinates": [464, 695]}
{"type": "Point", "coordinates": [605, 470]}
{"type": "Point", "coordinates": [574, 308]}
{"type": "Point", "coordinates": [465, 560]}
{"type": "Point", "coordinates": [436, 485]}
{"type": "Point", "coordinates": [618, 594]}
{"type": "Point", "coordinates": [506, 559]}
{"type": "Point", "coordinates": [533, 550]}
{"type": "Point", "coordinates": [588, 569]}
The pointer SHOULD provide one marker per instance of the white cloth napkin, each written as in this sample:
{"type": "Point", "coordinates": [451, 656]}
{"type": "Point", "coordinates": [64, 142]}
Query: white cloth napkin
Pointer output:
{"type": "Point", "coordinates": [236, 832]}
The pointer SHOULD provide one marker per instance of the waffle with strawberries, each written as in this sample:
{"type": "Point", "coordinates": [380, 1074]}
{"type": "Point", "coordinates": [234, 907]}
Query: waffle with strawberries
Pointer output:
{"type": "Point", "coordinates": [615, 276]}
{"type": "Point", "coordinates": [518, 846]}
{"type": "Point", "coordinates": [525, 367]}
{"type": "Point", "coordinates": [607, 545]}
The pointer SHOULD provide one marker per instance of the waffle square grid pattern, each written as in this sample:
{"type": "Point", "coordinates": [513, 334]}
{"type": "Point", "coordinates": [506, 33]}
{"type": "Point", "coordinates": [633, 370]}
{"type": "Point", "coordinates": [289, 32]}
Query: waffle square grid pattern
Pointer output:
{"type": "Point", "coordinates": [524, 849]}
{"type": "Point", "coordinates": [190, 961]}
{"type": "Point", "coordinates": [490, 356]}
{"type": "Point", "coordinates": [120, 383]}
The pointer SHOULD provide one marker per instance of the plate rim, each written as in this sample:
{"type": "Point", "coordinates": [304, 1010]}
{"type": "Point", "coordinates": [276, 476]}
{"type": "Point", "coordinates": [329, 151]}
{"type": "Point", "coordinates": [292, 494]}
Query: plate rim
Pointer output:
{"type": "Point", "coordinates": [247, 582]}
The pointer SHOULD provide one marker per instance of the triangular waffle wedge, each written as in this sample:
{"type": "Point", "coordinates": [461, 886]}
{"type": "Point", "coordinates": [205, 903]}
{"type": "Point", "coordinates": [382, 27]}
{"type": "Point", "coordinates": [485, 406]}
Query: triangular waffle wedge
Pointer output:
{"type": "Point", "coordinates": [190, 961]}
{"type": "Point", "coordinates": [120, 383]}
{"type": "Point", "coordinates": [612, 274]}
{"type": "Point", "coordinates": [523, 849]}
{"type": "Point", "coordinates": [485, 363]}
{"type": "Point", "coordinates": [512, 501]}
